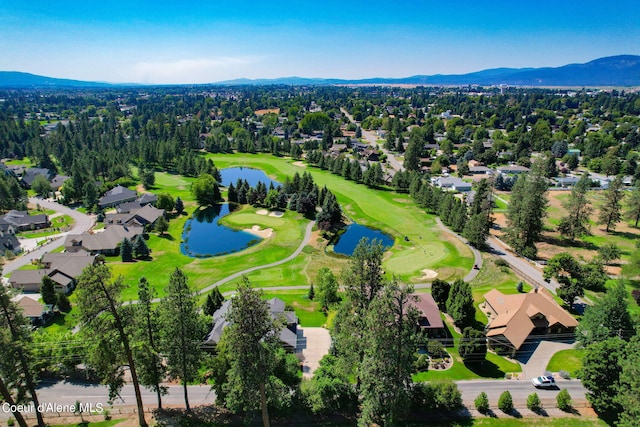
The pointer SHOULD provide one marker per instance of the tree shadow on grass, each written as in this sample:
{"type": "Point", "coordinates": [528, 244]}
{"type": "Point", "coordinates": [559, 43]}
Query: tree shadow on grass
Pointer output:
{"type": "Point", "coordinates": [567, 243]}
{"type": "Point", "coordinates": [485, 369]}
{"type": "Point", "coordinates": [166, 236]}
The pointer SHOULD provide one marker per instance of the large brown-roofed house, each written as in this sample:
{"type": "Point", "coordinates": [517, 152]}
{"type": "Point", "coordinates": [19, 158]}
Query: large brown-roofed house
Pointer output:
{"type": "Point", "coordinates": [513, 318]}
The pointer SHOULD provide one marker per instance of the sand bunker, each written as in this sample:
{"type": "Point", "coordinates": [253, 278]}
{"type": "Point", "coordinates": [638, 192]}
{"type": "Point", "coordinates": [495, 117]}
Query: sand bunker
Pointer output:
{"type": "Point", "coordinates": [299, 164]}
{"type": "Point", "coordinates": [277, 214]}
{"type": "Point", "coordinates": [262, 212]}
{"type": "Point", "coordinates": [428, 274]}
{"type": "Point", "coordinates": [256, 231]}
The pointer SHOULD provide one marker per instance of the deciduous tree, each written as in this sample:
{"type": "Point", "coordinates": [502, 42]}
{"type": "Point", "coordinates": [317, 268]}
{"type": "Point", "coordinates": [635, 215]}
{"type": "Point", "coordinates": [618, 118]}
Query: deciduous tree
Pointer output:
{"type": "Point", "coordinates": [205, 190]}
{"type": "Point", "coordinates": [607, 317]}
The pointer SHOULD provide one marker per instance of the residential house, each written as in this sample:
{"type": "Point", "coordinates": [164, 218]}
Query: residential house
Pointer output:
{"type": "Point", "coordinates": [63, 268]}
{"type": "Point", "coordinates": [116, 196]}
{"type": "Point", "coordinates": [336, 149]}
{"type": "Point", "coordinates": [21, 220]}
{"type": "Point", "coordinates": [480, 170]}
{"type": "Point", "coordinates": [370, 154]}
{"type": "Point", "coordinates": [58, 181]}
{"type": "Point", "coordinates": [515, 318]}
{"type": "Point", "coordinates": [106, 242]}
{"type": "Point", "coordinates": [429, 321]}
{"type": "Point", "coordinates": [8, 239]}
{"type": "Point", "coordinates": [31, 174]}
{"type": "Point", "coordinates": [451, 183]}
{"type": "Point", "coordinates": [288, 334]}
{"type": "Point", "coordinates": [35, 311]}
{"type": "Point", "coordinates": [146, 215]}
{"type": "Point", "coordinates": [567, 181]}
{"type": "Point", "coordinates": [512, 170]}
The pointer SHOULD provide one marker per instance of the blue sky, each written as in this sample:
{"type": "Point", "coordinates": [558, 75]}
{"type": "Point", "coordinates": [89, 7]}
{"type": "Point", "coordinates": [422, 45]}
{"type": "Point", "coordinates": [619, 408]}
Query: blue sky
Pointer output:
{"type": "Point", "coordinates": [207, 41]}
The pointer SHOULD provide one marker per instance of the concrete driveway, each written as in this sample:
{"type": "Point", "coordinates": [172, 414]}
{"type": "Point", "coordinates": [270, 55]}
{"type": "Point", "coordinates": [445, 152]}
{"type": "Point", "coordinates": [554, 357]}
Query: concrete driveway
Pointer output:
{"type": "Point", "coordinates": [315, 345]}
{"type": "Point", "coordinates": [535, 356]}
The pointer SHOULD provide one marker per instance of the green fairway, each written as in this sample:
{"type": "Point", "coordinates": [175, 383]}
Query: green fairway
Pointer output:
{"type": "Point", "coordinates": [419, 243]}
{"type": "Point", "coordinates": [425, 246]}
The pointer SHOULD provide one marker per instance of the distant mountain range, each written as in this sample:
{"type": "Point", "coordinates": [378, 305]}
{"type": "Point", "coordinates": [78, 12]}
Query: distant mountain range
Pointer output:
{"type": "Point", "coordinates": [622, 70]}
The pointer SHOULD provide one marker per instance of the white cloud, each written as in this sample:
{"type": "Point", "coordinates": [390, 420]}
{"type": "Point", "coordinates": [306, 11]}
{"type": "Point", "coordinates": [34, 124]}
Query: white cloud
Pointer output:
{"type": "Point", "coordinates": [201, 70]}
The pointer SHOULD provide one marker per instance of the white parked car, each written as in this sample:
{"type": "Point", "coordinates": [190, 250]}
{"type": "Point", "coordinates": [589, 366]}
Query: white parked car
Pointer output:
{"type": "Point", "coordinates": [544, 382]}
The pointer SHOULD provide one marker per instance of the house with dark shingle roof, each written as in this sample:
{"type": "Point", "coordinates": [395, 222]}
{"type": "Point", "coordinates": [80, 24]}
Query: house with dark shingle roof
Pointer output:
{"type": "Point", "coordinates": [21, 220]}
{"type": "Point", "coordinates": [142, 216]}
{"type": "Point", "coordinates": [58, 181]}
{"type": "Point", "coordinates": [63, 268]}
{"type": "Point", "coordinates": [514, 318]}
{"type": "Point", "coordinates": [106, 242]}
{"type": "Point", "coordinates": [31, 174]}
{"type": "Point", "coordinates": [116, 196]}
{"type": "Point", "coordinates": [288, 334]}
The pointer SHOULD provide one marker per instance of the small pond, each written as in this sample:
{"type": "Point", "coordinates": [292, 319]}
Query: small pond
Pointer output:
{"type": "Point", "coordinates": [252, 176]}
{"type": "Point", "coordinates": [204, 237]}
{"type": "Point", "coordinates": [348, 240]}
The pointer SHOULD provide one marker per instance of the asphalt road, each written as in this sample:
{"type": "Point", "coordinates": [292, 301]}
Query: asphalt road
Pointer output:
{"type": "Point", "coordinates": [66, 393]}
{"type": "Point", "coordinates": [82, 223]}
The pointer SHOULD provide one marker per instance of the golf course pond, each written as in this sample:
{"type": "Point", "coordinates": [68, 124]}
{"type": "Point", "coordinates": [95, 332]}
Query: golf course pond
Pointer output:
{"type": "Point", "coordinates": [205, 237]}
{"type": "Point", "coordinates": [252, 176]}
{"type": "Point", "coordinates": [349, 239]}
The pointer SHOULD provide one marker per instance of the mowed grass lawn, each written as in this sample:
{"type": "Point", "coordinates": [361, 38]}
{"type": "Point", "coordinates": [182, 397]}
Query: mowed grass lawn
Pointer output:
{"type": "Point", "coordinates": [567, 360]}
{"type": "Point", "coordinates": [426, 245]}
{"type": "Point", "coordinates": [493, 367]}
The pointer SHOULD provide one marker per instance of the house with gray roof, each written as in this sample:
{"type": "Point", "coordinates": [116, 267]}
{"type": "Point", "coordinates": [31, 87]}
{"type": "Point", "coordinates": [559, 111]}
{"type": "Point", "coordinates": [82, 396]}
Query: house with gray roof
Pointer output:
{"type": "Point", "coordinates": [116, 196]}
{"type": "Point", "coordinates": [21, 220]}
{"type": "Point", "coordinates": [142, 216]}
{"type": "Point", "coordinates": [288, 334]}
{"type": "Point", "coordinates": [63, 268]}
{"type": "Point", "coordinates": [31, 174]}
{"type": "Point", "coordinates": [106, 242]}
{"type": "Point", "coordinates": [451, 183]}
{"type": "Point", "coordinates": [58, 181]}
